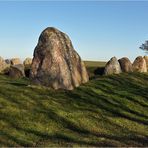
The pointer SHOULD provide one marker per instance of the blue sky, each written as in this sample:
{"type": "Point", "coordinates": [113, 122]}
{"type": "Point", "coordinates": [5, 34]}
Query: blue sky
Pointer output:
{"type": "Point", "coordinates": [98, 30]}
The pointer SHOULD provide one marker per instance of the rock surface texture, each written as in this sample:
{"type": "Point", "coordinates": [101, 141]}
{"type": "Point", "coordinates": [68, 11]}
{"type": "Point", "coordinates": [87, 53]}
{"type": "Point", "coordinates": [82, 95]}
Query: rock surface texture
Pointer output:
{"type": "Point", "coordinates": [146, 60]}
{"type": "Point", "coordinates": [4, 67]}
{"type": "Point", "coordinates": [56, 64]}
{"type": "Point", "coordinates": [139, 65]}
{"type": "Point", "coordinates": [126, 65]}
{"type": "Point", "coordinates": [112, 67]}
{"type": "Point", "coordinates": [17, 71]}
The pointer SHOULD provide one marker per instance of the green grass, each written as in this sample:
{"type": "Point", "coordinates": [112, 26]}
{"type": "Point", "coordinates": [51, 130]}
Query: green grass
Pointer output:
{"type": "Point", "coordinates": [107, 111]}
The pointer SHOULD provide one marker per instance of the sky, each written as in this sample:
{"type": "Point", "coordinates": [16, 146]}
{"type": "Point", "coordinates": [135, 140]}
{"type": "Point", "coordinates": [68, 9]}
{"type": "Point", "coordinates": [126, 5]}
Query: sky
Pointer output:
{"type": "Point", "coordinates": [98, 30]}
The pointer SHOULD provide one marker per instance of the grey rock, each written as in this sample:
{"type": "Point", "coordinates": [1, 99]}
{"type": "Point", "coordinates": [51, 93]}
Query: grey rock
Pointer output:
{"type": "Point", "coordinates": [27, 63]}
{"type": "Point", "coordinates": [139, 65]}
{"type": "Point", "coordinates": [126, 65]}
{"type": "Point", "coordinates": [15, 61]}
{"type": "Point", "coordinates": [56, 64]}
{"type": "Point", "coordinates": [17, 71]}
{"type": "Point", "coordinates": [112, 67]}
{"type": "Point", "coordinates": [4, 67]}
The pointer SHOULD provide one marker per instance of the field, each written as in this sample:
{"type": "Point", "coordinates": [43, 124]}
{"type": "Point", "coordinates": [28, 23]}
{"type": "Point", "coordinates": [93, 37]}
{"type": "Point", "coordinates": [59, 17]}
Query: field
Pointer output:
{"type": "Point", "coordinates": [107, 111]}
{"type": "Point", "coordinates": [94, 64]}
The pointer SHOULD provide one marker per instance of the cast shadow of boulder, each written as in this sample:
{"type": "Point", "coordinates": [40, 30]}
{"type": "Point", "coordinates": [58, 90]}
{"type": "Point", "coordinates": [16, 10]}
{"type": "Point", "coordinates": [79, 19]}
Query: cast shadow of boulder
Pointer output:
{"type": "Point", "coordinates": [27, 72]}
{"type": "Point", "coordinates": [99, 71]}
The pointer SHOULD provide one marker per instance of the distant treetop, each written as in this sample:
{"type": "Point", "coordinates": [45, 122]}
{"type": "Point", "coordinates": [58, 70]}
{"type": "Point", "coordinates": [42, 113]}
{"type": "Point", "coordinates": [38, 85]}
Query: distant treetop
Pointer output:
{"type": "Point", "coordinates": [145, 46]}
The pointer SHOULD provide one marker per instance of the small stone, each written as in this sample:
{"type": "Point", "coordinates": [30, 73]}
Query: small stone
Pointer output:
{"type": "Point", "coordinates": [27, 63]}
{"type": "Point", "coordinates": [17, 71]}
{"type": "Point", "coordinates": [139, 65]}
{"type": "Point", "coordinates": [112, 67]}
{"type": "Point", "coordinates": [4, 67]}
{"type": "Point", "coordinates": [15, 61]}
{"type": "Point", "coordinates": [126, 65]}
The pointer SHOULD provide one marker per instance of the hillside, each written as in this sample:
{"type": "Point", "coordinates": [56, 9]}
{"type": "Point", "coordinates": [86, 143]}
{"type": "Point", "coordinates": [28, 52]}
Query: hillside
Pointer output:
{"type": "Point", "coordinates": [107, 111]}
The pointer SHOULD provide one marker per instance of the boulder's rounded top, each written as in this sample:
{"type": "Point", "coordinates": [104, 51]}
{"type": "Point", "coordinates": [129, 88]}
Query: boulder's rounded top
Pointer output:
{"type": "Point", "coordinates": [139, 57]}
{"type": "Point", "coordinates": [112, 67]}
{"type": "Point", "coordinates": [139, 64]}
{"type": "Point", "coordinates": [126, 65]}
{"type": "Point", "coordinates": [15, 61]}
{"type": "Point", "coordinates": [51, 34]}
{"type": "Point", "coordinates": [50, 30]}
{"type": "Point", "coordinates": [114, 58]}
{"type": "Point", "coordinates": [1, 58]}
{"type": "Point", "coordinates": [146, 57]}
{"type": "Point", "coordinates": [124, 58]}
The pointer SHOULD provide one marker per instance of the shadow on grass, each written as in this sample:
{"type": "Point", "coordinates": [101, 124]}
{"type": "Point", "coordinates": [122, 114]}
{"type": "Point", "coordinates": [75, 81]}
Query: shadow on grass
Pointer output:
{"type": "Point", "coordinates": [109, 99]}
{"type": "Point", "coordinates": [99, 71]}
{"type": "Point", "coordinates": [17, 84]}
{"type": "Point", "coordinates": [16, 140]}
{"type": "Point", "coordinates": [117, 109]}
{"type": "Point", "coordinates": [111, 140]}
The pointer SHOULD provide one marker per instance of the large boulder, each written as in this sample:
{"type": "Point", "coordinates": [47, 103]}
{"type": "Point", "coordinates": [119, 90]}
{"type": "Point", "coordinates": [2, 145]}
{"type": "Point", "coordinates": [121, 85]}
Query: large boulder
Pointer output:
{"type": "Point", "coordinates": [112, 67]}
{"type": "Point", "coordinates": [15, 61]}
{"type": "Point", "coordinates": [4, 67]}
{"type": "Point", "coordinates": [56, 64]}
{"type": "Point", "coordinates": [126, 65]}
{"type": "Point", "coordinates": [139, 65]}
{"type": "Point", "coordinates": [17, 71]}
{"type": "Point", "coordinates": [146, 60]}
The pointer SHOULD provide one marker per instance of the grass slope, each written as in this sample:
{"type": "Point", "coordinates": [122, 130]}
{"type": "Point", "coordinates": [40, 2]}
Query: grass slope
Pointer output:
{"type": "Point", "coordinates": [107, 111]}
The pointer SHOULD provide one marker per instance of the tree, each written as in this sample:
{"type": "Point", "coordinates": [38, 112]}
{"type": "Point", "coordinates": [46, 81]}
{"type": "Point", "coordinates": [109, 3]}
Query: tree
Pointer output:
{"type": "Point", "coordinates": [145, 46]}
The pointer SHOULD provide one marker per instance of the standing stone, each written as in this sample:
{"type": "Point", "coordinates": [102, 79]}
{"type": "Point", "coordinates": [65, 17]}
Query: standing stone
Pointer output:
{"type": "Point", "coordinates": [139, 65]}
{"type": "Point", "coordinates": [126, 65]}
{"type": "Point", "coordinates": [27, 63]}
{"type": "Point", "coordinates": [8, 61]}
{"type": "Point", "coordinates": [17, 71]}
{"type": "Point", "coordinates": [15, 61]}
{"type": "Point", "coordinates": [27, 66]}
{"type": "Point", "coordinates": [146, 60]}
{"type": "Point", "coordinates": [56, 64]}
{"type": "Point", "coordinates": [112, 67]}
{"type": "Point", "coordinates": [4, 67]}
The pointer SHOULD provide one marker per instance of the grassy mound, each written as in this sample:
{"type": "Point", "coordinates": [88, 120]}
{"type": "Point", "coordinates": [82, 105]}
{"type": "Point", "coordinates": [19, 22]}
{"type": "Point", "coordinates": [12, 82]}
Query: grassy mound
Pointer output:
{"type": "Point", "coordinates": [107, 111]}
